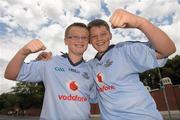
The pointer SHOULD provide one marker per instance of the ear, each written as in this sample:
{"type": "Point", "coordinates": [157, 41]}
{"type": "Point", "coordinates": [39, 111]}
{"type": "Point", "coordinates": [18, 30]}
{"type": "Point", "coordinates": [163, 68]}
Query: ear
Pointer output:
{"type": "Point", "coordinates": [65, 41]}
{"type": "Point", "coordinates": [110, 36]}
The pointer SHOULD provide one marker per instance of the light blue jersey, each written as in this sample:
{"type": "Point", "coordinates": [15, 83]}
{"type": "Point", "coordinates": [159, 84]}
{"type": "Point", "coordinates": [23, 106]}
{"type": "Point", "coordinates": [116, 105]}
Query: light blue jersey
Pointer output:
{"type": "Point", "coordinates": [68, 87]}
{"type": "Point", "coordinates": [122, 96]}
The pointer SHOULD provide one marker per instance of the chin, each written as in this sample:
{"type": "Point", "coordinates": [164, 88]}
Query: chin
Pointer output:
{"type": "Point", "coordinates": [80, 53]}
{"type": "Point", "coordinates": [100, 50]}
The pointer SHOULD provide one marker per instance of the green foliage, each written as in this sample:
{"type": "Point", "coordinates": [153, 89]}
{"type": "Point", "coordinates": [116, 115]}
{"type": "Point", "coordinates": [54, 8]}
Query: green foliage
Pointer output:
{"type": "Point", "coordinates": [171, 69]}
{"type": "Point", "coordinates": [7, 100]}
{"type": "Point", "coordinates": [23, 96]}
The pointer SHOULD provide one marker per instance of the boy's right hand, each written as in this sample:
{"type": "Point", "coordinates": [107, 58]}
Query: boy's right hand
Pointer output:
{"type": "Point", "coordinates": [125, 19]}
{"type": "Point", "coordinates": [33, 46]}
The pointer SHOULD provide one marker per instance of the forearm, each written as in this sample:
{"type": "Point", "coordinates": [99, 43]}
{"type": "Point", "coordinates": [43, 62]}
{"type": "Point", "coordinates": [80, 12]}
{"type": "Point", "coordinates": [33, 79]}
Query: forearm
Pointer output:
{"type": "Point", "coordinates": [14, 65]}
{"type": "Point", "coordinates": [163, 44]}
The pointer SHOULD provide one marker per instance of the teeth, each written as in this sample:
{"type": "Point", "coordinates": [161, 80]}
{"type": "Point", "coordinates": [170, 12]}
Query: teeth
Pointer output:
{"type": "Point", "coordinates": [99, 44]}
{"type": "Point", "coordinates": [79, 46]}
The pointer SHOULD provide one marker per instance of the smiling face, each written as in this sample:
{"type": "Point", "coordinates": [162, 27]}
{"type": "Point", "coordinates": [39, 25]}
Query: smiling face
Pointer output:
{"type": "Point", "coordinates": [100, 38]}
{"type": "Point", "coordinates": [77, 40]}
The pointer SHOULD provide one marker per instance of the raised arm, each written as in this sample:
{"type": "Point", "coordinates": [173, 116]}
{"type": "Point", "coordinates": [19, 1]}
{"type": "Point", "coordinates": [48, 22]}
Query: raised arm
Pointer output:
{"type": "Point", "coordinates": [16, 62]}
{"type": "Point", "coordinates": [163, 44]}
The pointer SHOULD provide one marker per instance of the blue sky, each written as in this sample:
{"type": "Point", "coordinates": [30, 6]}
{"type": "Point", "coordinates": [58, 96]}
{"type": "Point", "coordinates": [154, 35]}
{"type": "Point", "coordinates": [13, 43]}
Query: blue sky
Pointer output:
{"type": "Point", "coordinates": [23, 20]}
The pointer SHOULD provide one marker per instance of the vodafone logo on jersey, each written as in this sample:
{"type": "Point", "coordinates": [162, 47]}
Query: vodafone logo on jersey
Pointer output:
{"type": "Point", "coordinates": [102, 85]}
{"type": "Point", "coordinates": [74, 95]}
{"type": "Point", "coordinates": [72, 98]}
{"type": "Point", "coordinates": [99, 77]}
{"type": "Point", "coordinates": [73, 85]}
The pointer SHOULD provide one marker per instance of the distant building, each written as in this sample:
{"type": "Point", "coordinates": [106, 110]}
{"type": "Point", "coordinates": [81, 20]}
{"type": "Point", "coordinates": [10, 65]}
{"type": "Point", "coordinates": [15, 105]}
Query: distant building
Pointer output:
{"type": "Point", "coordinates": [166, 81]}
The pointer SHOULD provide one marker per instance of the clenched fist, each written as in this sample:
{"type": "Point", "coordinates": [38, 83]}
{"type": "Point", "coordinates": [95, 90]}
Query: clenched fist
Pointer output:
{"type": "Point", "coordinates": [45, 56]}
{"type": "Point", "coordinates": [33, 46]}
{"type": "Point", "coordinates": [124, 19]}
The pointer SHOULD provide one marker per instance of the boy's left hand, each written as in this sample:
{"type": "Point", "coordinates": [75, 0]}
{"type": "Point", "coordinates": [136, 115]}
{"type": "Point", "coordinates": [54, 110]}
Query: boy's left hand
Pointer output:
{"type": "Point", "coordinates": [45, 56]}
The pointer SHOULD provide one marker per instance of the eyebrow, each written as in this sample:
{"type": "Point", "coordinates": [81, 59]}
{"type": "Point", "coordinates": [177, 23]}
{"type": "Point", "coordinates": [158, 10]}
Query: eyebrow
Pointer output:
{"type": "Point", "coordinates": [101, 32]}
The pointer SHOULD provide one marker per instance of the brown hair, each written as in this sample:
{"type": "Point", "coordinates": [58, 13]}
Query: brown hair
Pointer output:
{"type": "Point", "coordinates": [76, 24]}
{"type": "Point", "coordinates": [98, 23]}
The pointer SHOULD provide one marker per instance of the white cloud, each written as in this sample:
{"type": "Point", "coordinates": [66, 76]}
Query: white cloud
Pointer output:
{"type": "Point", "coordinates": [27, 14]}
{"type": "Point", "coordinates": [5, 85]}
{"type": "Point", "coordinates": [47, 20]}
{"type": "Point", "coordinates": [54, 40]}
{"type": "Point", "coordinates": [90, 8]}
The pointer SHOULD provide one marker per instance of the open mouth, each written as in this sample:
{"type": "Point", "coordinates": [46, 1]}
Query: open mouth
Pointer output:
{"type": "Point", "coordinates": [79, 45]}
{"type": "Point", "coordinates": [100, 43]}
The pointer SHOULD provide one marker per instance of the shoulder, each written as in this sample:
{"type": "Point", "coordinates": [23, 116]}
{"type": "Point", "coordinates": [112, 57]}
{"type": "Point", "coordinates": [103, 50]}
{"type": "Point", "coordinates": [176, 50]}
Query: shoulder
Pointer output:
{"type": "Point", "coordinates": [132, 44]}
{"type": "Point", "coordinates": [58, 57]}
{"type": "Point", "coordinates": [91, 62]}
{"type": "Point", "coordinates": [85, 64]}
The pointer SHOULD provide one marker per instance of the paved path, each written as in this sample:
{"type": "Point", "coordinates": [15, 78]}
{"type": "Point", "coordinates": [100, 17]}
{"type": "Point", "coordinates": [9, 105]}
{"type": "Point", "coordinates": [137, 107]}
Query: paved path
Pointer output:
{"type": "Point", "coordinates": [3, 117]}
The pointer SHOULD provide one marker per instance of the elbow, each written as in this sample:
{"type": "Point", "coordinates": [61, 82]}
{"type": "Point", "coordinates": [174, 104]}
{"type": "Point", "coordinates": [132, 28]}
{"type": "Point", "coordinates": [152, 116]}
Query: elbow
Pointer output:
{"type": "Point", "coordinates": [172, 50]}
{"type": "Point", "coordinates": [166, 52]}
{"type": "Point", "coordinates": [9, 77]}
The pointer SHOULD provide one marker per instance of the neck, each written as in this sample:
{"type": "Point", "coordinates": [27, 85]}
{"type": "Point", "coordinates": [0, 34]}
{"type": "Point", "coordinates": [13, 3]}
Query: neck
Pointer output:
{"type": "Point", "coordinates": [75, 58]}
{"type": "Point", "coordinates": [100, 53]}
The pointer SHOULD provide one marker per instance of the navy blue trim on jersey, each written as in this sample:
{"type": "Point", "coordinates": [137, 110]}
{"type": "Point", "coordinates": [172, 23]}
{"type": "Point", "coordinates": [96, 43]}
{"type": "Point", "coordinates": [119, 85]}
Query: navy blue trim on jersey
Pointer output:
{"type": "Point", "coordinates": [65, 55]}
{"type": "Point", "coordinates": [98, 56]}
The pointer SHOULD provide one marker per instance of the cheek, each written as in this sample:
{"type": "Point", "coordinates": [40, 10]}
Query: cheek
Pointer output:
{"type": "Point", "coordinates": [86, 47]}
{"type": "Point", "coordinates": [66, 41]}
{"type": "Point", "coordinates": [93, 42]}
{"type": "Point", "coordinates": [94, 46]}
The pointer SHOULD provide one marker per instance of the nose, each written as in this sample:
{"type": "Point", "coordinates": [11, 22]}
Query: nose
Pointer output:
{"type": "Point", "coordinates": [99, 37]}
{"type": "Point", "coordinates": [83, 38]}
{"type": "Point", "coordinates": [80, 39]}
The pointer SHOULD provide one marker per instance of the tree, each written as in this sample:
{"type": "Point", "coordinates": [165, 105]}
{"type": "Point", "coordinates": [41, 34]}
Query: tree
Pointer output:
{"type": "Point", "coordinates": [30, 94]}
{"type": "Point", "coordinates": [171, 69]}
{"type": "Point", "coordinates": [8, 100]}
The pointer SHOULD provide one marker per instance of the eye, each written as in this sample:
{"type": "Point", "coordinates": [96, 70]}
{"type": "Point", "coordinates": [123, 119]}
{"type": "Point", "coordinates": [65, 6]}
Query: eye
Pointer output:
{"type": "Point", "coordinates": [103, 34]}
{"type": "Point", "coordinates": [76, 37]}
{"type": "Point", "coordinates": [93, 36]}
{"type": "Point", "coordinates": [69, 37]}
{"type": "Point", "coordinates": [84, 38]}
{"type": "Point", "coordinates": [73, 37]}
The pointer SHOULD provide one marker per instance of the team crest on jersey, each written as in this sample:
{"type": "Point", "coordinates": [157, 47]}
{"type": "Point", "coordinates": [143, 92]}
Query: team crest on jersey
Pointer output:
{"type": "Point", "coordinates": [108, 63]}
{"type": "Point", "coordinates": [73, 85]}
{"type": "Point", "coordinates": [99, 64]}
{"type": "Point", "coordinates": [85, 75]}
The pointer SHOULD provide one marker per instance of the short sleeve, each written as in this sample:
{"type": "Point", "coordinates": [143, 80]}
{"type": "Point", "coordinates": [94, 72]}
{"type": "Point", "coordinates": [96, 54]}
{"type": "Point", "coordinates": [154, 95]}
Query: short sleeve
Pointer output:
{"type": "Point", "coordinates": [93, 94]}
{"type": "Point", "coordinates": [141, 57]}
{"type": "Point", "coordinates": [31, 72]}
{"type": "Point", "coordinates": [93, 90]}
